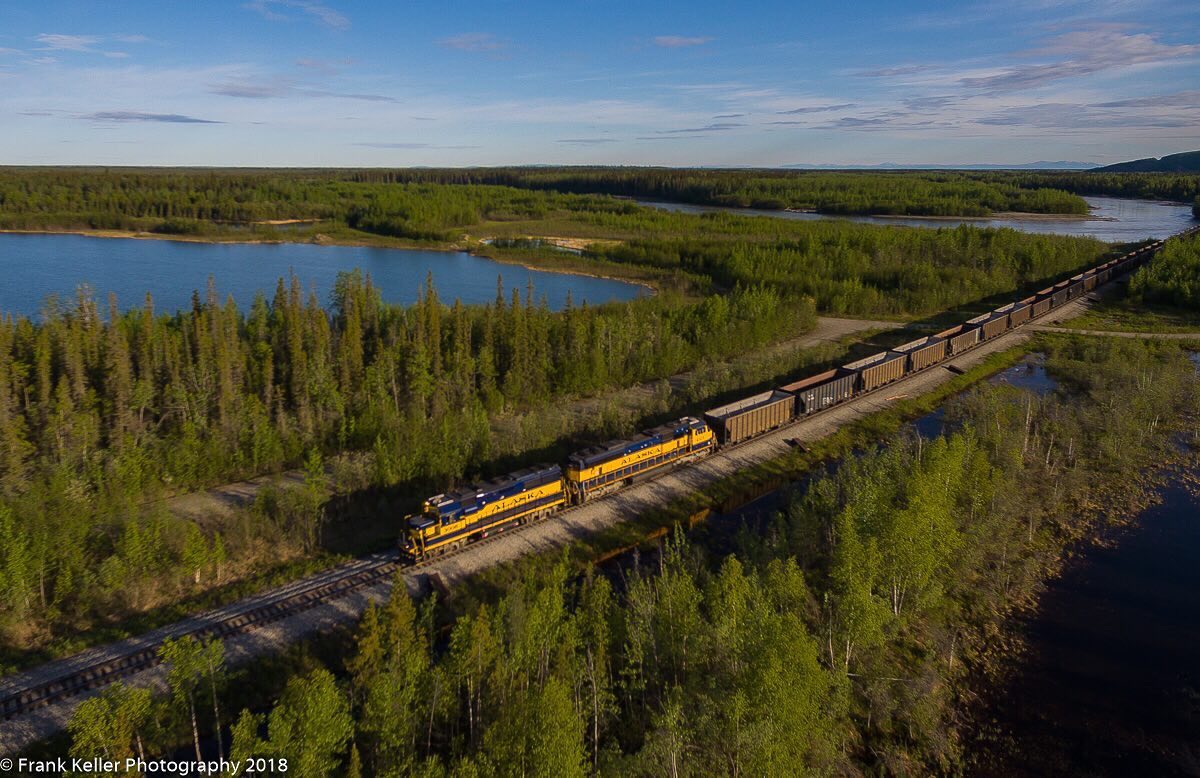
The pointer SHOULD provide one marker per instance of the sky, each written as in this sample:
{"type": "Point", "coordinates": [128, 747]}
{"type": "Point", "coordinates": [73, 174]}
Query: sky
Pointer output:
{"type": "Point", "coordinates": [382, 83]}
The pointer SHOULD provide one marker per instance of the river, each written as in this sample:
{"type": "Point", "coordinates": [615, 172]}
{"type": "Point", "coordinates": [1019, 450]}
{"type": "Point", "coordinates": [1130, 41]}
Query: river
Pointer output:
{"type": "Point", "coordinates": [1113, 219]}
{"type": "Point", "coordinates": [36, 266]}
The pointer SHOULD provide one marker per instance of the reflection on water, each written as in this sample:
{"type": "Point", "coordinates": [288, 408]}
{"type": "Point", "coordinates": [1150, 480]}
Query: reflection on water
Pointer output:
{"type": "Point", "coordinates": [36, 266]}
{"type": "Point", "coordinates": [1111, 684]}
{"type": "Point", "coordinates": [1114, 219]}
{"type": "Point", "coordinates": [1028, 374]}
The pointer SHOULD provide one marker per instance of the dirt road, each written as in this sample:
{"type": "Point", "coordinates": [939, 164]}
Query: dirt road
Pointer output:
{"type": "Point", "coordinates": [1119, 334]}
{"type": "Point", "coordinates": [205, 506]}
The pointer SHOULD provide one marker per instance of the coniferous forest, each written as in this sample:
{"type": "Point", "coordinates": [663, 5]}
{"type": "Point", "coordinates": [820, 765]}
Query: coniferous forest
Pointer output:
{"type": "Point", "coordinates": [1172, 278]}
{"type": "Point", "coordinates": [835, 638]}
{"type": "Point", "coordinates": [106, 406]}
{"type": "Point", "coordinates": [128, 198]}
{"type": "Point", "coordinates": [781, 655]}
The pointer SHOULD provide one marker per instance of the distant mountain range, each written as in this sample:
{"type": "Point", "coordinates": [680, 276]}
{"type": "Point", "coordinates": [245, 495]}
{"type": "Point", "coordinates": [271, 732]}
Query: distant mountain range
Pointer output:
{"type": "Point", "coordinates": [1185, 162]}
{"type": "Point", "coordinates": [1043, 165]}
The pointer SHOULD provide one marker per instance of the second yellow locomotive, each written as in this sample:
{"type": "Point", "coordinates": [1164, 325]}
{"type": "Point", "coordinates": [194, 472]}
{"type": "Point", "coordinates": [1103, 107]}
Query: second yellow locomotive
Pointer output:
{"type": "Point", "coordinates": [452, 519]}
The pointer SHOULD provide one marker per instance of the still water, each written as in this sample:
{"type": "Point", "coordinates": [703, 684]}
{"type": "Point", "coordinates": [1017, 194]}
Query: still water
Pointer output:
{"type": "Point", "coordinates": [1113, 219]}
{"type": "Point", "coordinates": [37, 266]}
{"type": "Point", "coordinates": [1111, 683]}
{"type": "Point", "coordinates": [1028, 374]}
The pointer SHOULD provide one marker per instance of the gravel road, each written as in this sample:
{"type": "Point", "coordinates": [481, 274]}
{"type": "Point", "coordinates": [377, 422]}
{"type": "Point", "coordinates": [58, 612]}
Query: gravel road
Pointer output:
{"type": "Point", "coordinates": [213, 504]}
{"type": "Point", "coordinates": [1120, 334]}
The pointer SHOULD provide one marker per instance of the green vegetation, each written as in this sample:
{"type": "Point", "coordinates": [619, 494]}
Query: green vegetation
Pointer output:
{"type": "Point", "coordinates": [1180, 187]}
{"type": "Point", "coordinates": [833, 640]}
{"type": "Point", "coordinates": [908, 193]}
{"type": "Point", "coordinates": [848, 270]}
{"type": "Point", "coordinates": [1124, 314]}
{"type": "Point", "coordinates": [172, 201]}
{"type": "Point", "coordinates": [1172, 277]}
{"type": "Point", "coordinates": [102, 415]}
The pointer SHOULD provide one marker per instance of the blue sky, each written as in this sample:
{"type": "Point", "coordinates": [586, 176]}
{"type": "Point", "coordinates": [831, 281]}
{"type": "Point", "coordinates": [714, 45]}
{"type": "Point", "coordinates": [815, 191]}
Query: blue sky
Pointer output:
{"type": "Point", "coordinates": [384, 83]}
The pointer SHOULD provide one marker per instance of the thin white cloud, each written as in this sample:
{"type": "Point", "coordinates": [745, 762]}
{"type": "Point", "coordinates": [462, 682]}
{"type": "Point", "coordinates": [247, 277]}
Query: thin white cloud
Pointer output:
{"type": "Point", "coordinates": [1081, 53]}
{"type": "Point", "coordinates": [474, 41]}
{"type": "Point", "coordinates": [60, 42]}
{"type": "Point", "coordinates": [276, 10]}
{"type": "Point", "coordinates": [715, 127]}
{"type": "Point", "coordinates": [817, 109]}
{"type": "Point", "coordinates": [1084, 117]}
{"type": "Point", "coordinates": [273, 88]}
{"type": "Point", "coordinates": [411, 146]}
{"type": "Point", "coordinates": [85, 44]}
{"type": "Point", "coordinates": [140, 116]}
{"type": "Point", "coordinates": [1188, 99]}
{"type": "Point", "coordinates": [681, 41]}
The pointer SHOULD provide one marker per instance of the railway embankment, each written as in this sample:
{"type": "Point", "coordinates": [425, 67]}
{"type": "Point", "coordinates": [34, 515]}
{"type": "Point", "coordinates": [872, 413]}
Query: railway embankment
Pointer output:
{"type": "Point", "coordinates": [38, 703]}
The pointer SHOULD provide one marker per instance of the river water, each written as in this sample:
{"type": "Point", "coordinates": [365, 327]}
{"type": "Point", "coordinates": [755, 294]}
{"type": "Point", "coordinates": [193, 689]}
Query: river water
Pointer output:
{"type": "Point", "coordinates": [1113, 219]}
{"type": "Point", "coordinates": [1111, 683]}
{"type": "Point", "coordinates": [36, 266]}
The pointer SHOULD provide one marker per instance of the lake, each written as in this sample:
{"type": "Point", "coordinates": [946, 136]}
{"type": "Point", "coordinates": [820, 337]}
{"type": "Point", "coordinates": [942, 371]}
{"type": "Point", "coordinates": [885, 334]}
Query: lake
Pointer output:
{"type": "Point", "coordinates": [36, 266]}
{"type": "Point", "coordinates": [1114, 219]}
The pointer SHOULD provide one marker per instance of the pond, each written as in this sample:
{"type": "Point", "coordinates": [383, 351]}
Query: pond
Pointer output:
{"type": "Point", "coordinates": [1028, 374]}
{"type": "Point", "coordinates": [1110, 685]}
{"type": "Point", "coordinates": [36, 266]}
{"type": "Point", "coordinates": [1113, 219]}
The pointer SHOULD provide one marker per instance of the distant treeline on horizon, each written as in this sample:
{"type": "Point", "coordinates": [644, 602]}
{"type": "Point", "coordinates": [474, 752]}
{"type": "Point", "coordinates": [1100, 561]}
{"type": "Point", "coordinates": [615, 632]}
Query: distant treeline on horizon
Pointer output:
{"type": "Point", "coordinates": [110, 197]}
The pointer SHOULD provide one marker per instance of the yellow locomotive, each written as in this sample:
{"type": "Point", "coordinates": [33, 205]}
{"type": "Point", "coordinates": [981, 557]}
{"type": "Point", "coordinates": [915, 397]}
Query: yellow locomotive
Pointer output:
{"type": "Point", "coordinates": [601, 469]}
{"type": "Point", "coordinates": [449, 520]}
{"type": "Point", "coordinates": [452, 519]}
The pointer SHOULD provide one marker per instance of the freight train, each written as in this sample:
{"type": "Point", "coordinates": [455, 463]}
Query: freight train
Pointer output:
{"type": "Point", "coordinates": [453, 519]}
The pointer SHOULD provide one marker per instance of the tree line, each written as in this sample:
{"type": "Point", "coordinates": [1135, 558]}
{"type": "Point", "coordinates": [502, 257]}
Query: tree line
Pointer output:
{"type": "Point", "coordinates": [1172, 277]}
{"type": "Point", "coordinates": [1179, 187]}
{"type": "Point", "coordinates": [177, 200]}
{"type": "Point", "coordinates": [913, 193]}
{"type": "Point", "coordinates": [847, 270]}
{"type": "Point", "coordinates": [830, 639]}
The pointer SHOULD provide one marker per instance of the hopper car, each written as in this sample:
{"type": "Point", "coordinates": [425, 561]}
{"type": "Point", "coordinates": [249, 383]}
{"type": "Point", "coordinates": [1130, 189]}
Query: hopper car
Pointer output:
{"type": "Point", "coordinates": [451, 520]}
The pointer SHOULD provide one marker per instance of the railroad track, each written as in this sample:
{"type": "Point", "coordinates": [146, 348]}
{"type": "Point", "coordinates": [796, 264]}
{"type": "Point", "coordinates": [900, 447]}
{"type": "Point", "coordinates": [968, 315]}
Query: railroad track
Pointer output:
{"type": "Point", "coordinates": [99, 667]}
{"type": "Point", "coordinates": [95, 668]}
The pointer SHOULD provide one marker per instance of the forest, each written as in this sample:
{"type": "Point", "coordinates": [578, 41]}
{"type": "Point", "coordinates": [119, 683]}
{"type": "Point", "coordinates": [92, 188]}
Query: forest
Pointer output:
{"type": "Point", "coordinates": [1179, 187]}
{"type": "Point", "coordinates": [1172, 277]}
{"type": "Point", "coordinates": [382, 202]}
{"type": "Point", "coordinates": [836, 638]}
{"type": "Point", "coordinates": [107, 407]}
{"type": "Point", "coordinates": [174, 200]}
{"type": "Point", "coordinates": [908, 193]}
